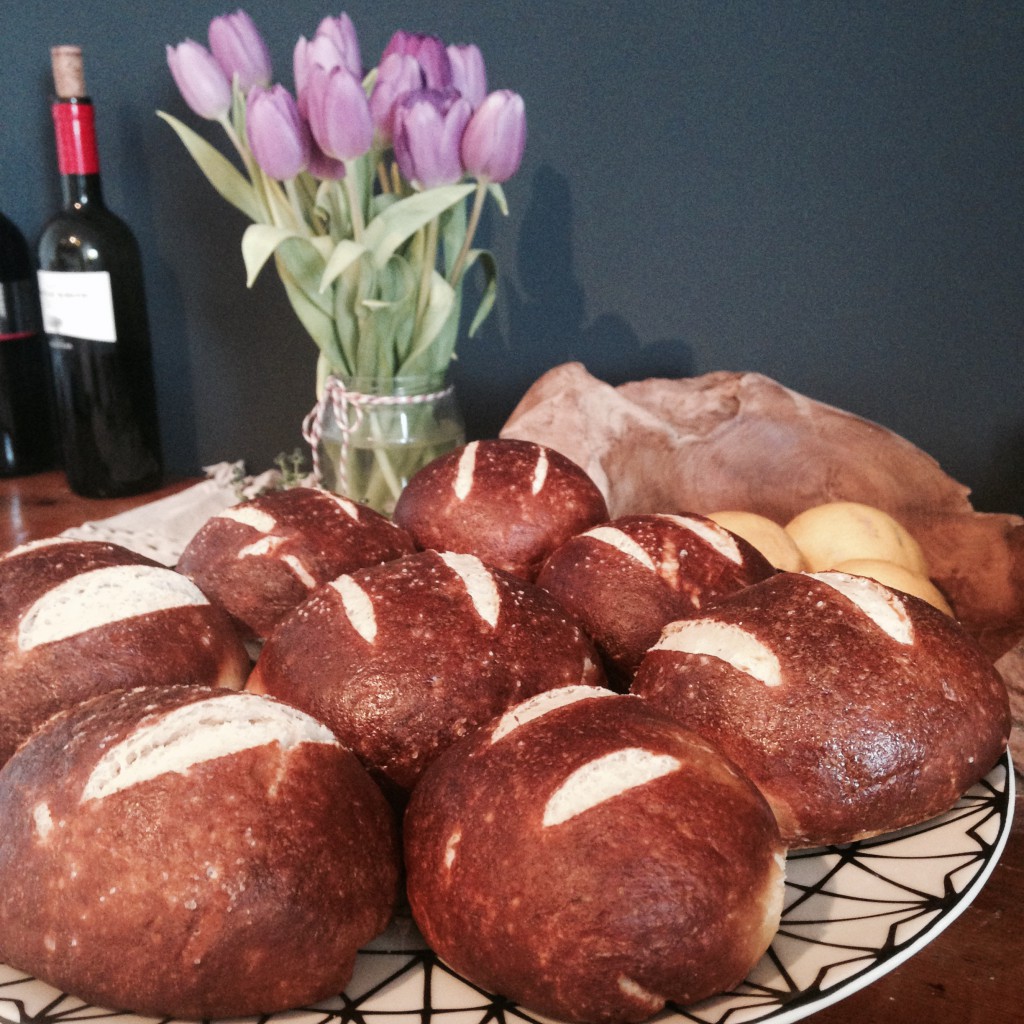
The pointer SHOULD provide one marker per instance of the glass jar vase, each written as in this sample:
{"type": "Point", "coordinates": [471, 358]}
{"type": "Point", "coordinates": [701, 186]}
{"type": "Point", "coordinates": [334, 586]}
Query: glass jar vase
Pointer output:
{"type": "Point", "coordinates": [369, 435]}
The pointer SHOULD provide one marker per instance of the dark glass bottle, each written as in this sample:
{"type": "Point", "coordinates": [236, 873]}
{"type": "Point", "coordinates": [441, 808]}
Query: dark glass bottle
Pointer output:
{"type": "Point", "coordinates": [94, 315]}
{"type": "Point", "coordinates": [26, 430]}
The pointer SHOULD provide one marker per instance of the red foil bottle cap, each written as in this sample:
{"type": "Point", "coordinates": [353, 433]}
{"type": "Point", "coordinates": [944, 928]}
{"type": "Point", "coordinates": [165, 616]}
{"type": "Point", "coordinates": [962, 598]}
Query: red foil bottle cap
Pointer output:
{"type": "Point", "coordinates": [75, 124]}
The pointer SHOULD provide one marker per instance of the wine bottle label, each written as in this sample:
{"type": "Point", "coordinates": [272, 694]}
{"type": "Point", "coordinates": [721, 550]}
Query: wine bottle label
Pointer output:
{"type": "Point", "coordinates": [75, 125]}
{"type": "Point", "coordinates": [77, 304]}
{"type": "Point", "coordinates": [19, 313]}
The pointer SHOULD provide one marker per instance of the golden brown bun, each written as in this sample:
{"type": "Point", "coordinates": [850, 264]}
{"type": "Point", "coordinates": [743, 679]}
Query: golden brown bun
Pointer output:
{"type": "Point", "coordinates": [624, 580]}
{"type": "Point", "coordinates": [856, 710]}
{"type": "Point", "coordinates": [260, 559]}
{"type": "Point", "coordinates": [78, 618]}
{"type": "Point", "coordinates": [403, 658]}
{"type": "Point", "coordinates": [766, 535]}
{"type": "Point", "coordinates": [510, 503]}
{"type": "Point", "coordinates": [836, 531]}
{"type": "Point", "coordinates": [594, 862]}
{"type": "Point", "coordinates": [220, 886]}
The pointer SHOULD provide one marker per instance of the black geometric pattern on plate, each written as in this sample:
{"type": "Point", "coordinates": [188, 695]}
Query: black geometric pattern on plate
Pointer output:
{"type": "Point", "coordinates": [852, 913]}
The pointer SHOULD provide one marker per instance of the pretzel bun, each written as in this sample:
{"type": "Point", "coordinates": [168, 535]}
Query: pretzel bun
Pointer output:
{"type": "Point", "coordinates": [591, 859]}
{"type": "Point", "coordinates": [191, 853]}
{"type": "Point", "coordinates": [626, 579]}
{"type": "Point", "coordinates": [401, 659]}
{"type": "Point", "coordinates": [259, 559]}
{"type": "Point", "coordinates": [508, 502]}
{"type": "Point", "coordinates": [898, 578]}
{"type": "Point", "coordinates": [855, 708]}
{"type": "Point", "coordinates": [78, 618]}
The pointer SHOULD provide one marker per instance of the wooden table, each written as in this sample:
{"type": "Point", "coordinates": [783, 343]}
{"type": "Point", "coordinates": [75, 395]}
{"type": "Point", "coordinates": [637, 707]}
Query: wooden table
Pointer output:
{"type": "Point", "coordinates": [972, 973]}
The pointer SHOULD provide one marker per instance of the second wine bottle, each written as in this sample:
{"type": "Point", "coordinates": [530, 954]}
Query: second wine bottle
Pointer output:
{"type": "Point", "coordinates": [94, 314]}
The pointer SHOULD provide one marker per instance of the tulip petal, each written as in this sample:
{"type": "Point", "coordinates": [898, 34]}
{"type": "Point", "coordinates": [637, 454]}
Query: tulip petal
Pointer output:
{"type": "Point", "coordinates": [200, 80]}
{"type": "Point", "coordinates": [278, 136]}
{"type": "Point", "coordinates": [338, 113]}
{"type": "Point", "coordinates": [494, 140]}
{"type": "Point", "coordinates": [343, 34]}
{"type": "Point", "coordinates": [469, 75]}
{"type": "Point", "coordinates": [240, 49]}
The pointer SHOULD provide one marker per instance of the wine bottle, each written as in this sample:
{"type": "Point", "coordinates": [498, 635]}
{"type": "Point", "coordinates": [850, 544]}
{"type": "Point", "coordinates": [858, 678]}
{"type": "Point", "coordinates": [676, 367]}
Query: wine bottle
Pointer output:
{"type": "Point", "coordinates": [94, 314]}
{"type": "Point", "coordinates": [26, 429]}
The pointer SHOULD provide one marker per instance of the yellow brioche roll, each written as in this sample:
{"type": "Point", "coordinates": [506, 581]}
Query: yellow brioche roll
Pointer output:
{"type": "Point", "coordinates": [837, 531]}
{"type": "Point", "coordinates": [764, 534]}
{"type": "Point", "coordinates": [899, 578]}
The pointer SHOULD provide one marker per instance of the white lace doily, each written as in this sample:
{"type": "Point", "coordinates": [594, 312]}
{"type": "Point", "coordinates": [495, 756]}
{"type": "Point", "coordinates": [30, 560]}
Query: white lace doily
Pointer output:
{"type": "Point", "coordinates": [161, 529]}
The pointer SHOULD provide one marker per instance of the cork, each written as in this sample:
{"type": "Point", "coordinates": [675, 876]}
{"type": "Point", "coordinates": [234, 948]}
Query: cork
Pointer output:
{"type": "Point", "coordinates": [68, 73]}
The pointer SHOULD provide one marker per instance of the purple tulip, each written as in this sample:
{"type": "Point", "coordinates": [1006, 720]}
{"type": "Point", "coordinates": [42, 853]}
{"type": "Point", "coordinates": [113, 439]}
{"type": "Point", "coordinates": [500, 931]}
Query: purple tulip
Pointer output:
{"type": "Point", "coordinates": [469, 75]}
{"type": "Point", "coordinates": [338, 113]}
{"type": "Point", "coordinates": [327, 49]}
{"type": "Point", "coordinates": [199, 78]}
{"type": "Point", "coordinates": [428, 132]}
{"type": "Point", "coordinates": [429, 51]}
{"type": "Point", "coordinates": [324, 167]}
{"type": "Point", "coordinates": [278, 137]}
{"type": "Point", "coordinates": [397, 75]}
{"type": "Point", "coordinates": [494, 140]}
{"type": "Point", "coordinates": [240, 49]}
{"type": "Point", "coordinates": [342, 33]}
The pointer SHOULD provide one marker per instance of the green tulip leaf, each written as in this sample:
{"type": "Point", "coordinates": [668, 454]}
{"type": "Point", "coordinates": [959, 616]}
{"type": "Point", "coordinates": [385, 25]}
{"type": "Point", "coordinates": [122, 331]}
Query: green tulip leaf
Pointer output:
{"type": "Point", "coordinates": [344, 254]}
{"type": "Point", "coordinates": [306, 257]}
{"type": "Point", "coordinates": [389, 317]}
{"type": "Point", "coordinates": [221, 173]}
{"type": "Point", "coordinates": [452, 234]}
{"type": "Point", "coordinates": [400, 221]}
{"type": "Point", "coordinates": [439, 307]}
{"type": "Point", "coordinates": [498, 195]}
{"type": "Point", "coordinates": [259, 243]}
{"type": "Point", "coordinates": [318, 324]}
{"type": "Point", "coordinates": [489, 265]}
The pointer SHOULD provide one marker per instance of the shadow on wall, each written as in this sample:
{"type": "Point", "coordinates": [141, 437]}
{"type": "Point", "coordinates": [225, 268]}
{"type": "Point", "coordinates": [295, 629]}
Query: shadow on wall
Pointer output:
{"type": "Point", "coordinates": [548, 324]}
{"type": "Point", "coordinates": [1002, 486]}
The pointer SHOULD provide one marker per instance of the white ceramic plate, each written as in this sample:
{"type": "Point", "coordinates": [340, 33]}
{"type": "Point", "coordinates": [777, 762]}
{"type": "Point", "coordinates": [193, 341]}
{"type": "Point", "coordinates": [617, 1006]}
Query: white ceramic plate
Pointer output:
{"type": "Point", "coordinates": [852, 914]}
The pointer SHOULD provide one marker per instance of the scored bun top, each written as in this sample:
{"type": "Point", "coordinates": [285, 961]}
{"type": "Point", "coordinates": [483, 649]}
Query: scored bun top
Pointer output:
{"type": "Point", "coordinates": [78, 618]}
{"type": "Point", "coordinates": [508, 502]}
{"type": "Point", "coordinates": [590, 858]}
{"type": "Point", "coordinates": [401, 659]}
{"type": "Point", "coordinates": [625, 579]}
{"type": "Point", "coordinates": [856, 709]}
{"type": "Point", "coordinates": [259, 559]}
{"type": "Point", "coordinates": [192, 854]}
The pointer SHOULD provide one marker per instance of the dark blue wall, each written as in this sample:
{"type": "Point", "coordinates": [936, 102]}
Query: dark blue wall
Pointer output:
{"type": "Point", "coordinates": [827, 193]}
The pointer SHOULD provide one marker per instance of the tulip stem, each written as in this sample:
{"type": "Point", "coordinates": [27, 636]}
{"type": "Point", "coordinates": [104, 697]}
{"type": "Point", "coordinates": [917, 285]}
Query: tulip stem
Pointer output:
{"type": "Point", "coordinates": [255, 175]}
{"type": "Point", "coordinates": [281, 211]}
{"type": "Point", "coordinates": [229, 129]}
{"type": "Point", "coordinates": [355, 207]}
{"type": "Point", "coordinates": [474, 219]}
{"type": "Point", "coordinates": [427, 264]}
